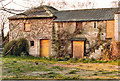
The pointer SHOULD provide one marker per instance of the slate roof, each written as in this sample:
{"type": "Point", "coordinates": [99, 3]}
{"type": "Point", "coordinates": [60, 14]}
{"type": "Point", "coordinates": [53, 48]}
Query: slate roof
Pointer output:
{"type": "Point", "coordinates": [86, 14]}
{"type": "Point", "coordinates": [69, 15]}
{"type": "Point", "coordinates": [41, 11]}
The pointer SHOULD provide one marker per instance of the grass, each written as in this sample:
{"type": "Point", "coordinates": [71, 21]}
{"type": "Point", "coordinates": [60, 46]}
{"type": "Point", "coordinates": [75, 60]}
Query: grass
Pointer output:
{"type": "Point", "coordinates": [107, 72]}
{"type": "Point", "coordinates": [15, 66]}
{"type": "Point", "coordinates": [57, 67]}
{"type": "Point", "coordinates": [73, 72]}
{"type": "Point", "coordinates": [95, 74]}
{"type": "Point", "coordinates": [43, 68]}
{"type": "Point", "coordinates": [100, 71]}
{"type": "Point", "coordinates": [52, 74]}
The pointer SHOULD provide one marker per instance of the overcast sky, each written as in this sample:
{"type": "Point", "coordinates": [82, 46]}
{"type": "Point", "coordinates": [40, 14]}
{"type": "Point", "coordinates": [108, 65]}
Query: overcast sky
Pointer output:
{"type": "Point", "coordinates": [70, 4]}
{"type": "Point", "coordinates": [21, 4]}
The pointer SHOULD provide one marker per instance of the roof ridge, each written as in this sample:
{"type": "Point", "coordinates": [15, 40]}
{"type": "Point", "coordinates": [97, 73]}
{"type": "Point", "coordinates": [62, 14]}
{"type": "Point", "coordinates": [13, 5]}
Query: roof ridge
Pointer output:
{"type": "Point", "coordinates": [33, 10]}
{"type": "Point", "coordinates": [87, 9]}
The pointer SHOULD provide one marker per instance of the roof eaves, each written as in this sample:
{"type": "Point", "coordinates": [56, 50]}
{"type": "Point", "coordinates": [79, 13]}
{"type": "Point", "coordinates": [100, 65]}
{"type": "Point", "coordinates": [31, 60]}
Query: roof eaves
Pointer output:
{"type": "Point", "coordinates": [27, 17]}
{"type": "Point", "coordinates": [82, 20]}
{"type": "Point", "coordinates": [87, 9]}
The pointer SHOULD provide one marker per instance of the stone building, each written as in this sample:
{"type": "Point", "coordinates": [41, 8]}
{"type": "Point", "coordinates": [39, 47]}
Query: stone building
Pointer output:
{"type": "Point", "coordinates": [88, 25]}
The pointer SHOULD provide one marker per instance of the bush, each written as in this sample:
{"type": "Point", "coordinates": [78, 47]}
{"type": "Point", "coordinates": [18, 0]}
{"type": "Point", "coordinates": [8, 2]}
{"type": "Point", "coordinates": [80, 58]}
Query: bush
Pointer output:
{"type": "Point", "coordinates": [19, 46]}
{"type": "Point", "coordinates": [5, 40]}
{"type": "Point", "coordinates": [8, 46]}
{"type": "Point", "coordinates": [111, 51]}
{"type": "Point", "coordinates": [22, 45]}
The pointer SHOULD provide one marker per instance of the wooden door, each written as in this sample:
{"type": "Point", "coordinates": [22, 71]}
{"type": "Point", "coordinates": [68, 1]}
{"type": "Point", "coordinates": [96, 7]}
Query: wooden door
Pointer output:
{"type": "Point", "coordinates": [44, 48]}
{"type": "Point", "coordinates": [78, 49]}
{"type": "Point", "coordinates": [110, 29]}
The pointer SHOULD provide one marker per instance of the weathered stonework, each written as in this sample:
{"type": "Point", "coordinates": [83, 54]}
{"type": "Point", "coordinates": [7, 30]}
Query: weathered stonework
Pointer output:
{"type": "Point", "coordinates": [40, 29]}
{"type": "Point", "coordinates": [88, 31]}
{"type": "Point", "coordinates": [91, 33]}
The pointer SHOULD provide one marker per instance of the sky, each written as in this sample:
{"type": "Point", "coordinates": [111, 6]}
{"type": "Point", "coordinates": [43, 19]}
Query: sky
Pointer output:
{"type": "Point", "coordinates": [25, 4]}
{"type": "Point", "coordinates": [70, 5]}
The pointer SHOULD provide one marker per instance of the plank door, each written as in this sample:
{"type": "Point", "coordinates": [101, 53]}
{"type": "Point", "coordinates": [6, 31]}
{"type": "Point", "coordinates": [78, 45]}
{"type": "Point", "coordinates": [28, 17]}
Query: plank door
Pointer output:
{"type": "Point", "coordinates": [110, 29]}
{"type": "Point", "coordinates": [78, 49]}
{"type": "Point", "coordinates": [44, 48]}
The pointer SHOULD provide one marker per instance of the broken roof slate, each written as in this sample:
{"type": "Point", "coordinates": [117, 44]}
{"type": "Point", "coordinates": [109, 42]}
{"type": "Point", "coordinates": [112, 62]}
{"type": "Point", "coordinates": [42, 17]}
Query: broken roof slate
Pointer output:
{"type": "Point", "coordinates": [41, 11]}
{"type": "Point", "coordinates": [86, 14]}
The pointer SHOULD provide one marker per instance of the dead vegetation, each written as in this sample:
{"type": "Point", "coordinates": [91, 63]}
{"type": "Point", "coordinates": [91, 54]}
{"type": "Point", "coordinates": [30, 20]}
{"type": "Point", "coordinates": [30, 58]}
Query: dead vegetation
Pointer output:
{"type": "Point", "coordinates": [38, 68]}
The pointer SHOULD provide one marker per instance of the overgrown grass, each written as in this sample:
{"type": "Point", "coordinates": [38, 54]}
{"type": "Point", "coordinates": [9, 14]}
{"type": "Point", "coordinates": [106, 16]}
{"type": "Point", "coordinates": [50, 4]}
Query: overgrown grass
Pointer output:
{"type": "Point", "coordinates": [57, 67]}
{"type": "Point", "coordinates": [73, 72]}
{"type": "Point", "coordinates": [71, 60]}
{"type": "Point", "coordinates": [75, 60]}
{"type": "Point", "coordinates": [18, 68]}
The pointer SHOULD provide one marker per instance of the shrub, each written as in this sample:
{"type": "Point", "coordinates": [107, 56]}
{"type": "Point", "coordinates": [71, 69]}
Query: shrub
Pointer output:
{"type": "Point", "coordinates": [5, 40]}
{"type": "Point", "coordinates": [22, 45]}
{"type": "Point", "coordinates": [8, 46]}
{"type": "Point", "coordinates": [19, 46]}
{"type": "Point", "coordinates": [111, 51]}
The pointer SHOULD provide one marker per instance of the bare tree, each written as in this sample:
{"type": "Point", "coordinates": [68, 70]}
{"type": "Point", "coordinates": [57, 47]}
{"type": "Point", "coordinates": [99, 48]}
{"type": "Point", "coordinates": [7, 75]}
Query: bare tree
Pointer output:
{"type": "Point", "coordinates": [114, 3]}
{"type": "Point", "coordinates": [34, 3]}
{"type": "Point", "coordinates": [4, 14]}
{"type": "Point", "coordinates": [3, 17]}
{"type": "Point", "coordinates": [87, 4]}
{"type": "Point", "coordinates": [3, 21]}
{"type": "Point", "coordinates": [61, 4]}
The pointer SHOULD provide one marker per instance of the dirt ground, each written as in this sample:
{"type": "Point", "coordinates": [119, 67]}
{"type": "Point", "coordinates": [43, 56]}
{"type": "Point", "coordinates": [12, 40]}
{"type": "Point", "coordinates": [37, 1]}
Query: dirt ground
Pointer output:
{"type": "Point", "coordinates": [14, 68]}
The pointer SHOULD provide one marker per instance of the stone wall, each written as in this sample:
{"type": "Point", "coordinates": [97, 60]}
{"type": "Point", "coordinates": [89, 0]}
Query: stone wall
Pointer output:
{"type": "Point", "coordinates": [69, 27]}
{"type": "Point", "coordinates": [40, 29]}
{"type": "Point", "coordinates": [88, 31]}
{"type": "Point", "coordinates": [91, 33]}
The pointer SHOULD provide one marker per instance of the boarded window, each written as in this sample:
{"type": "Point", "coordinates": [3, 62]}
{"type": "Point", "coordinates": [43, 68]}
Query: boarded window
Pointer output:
{"type": "Point", "coordinates": [110, 29]}
{"type": "Point", "coordinates": [78, 27]}
{"type": "Point", "coordinates": [95, 24]}
{"type": "Point", "coordinates": [27, 27]}
{"type": "Point", "coordinates": [31, 43]}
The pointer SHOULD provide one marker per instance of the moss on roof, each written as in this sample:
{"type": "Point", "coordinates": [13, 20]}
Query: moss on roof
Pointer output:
{"type": "Point", "coordinates": [41, 11]}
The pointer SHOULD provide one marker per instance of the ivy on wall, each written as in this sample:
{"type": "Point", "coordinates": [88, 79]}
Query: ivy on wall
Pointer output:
{"type": "Point", "coordinates": [61, 39]}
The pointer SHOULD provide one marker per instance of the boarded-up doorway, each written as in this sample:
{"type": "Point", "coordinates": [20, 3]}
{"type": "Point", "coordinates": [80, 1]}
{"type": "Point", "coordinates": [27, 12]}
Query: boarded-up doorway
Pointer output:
{"type": "Point", "coordinates": [78, 49]}
{"type": "Point", "coordinates": [44, 48]}
{"type": "Point", "coordinates": [110, 29]}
